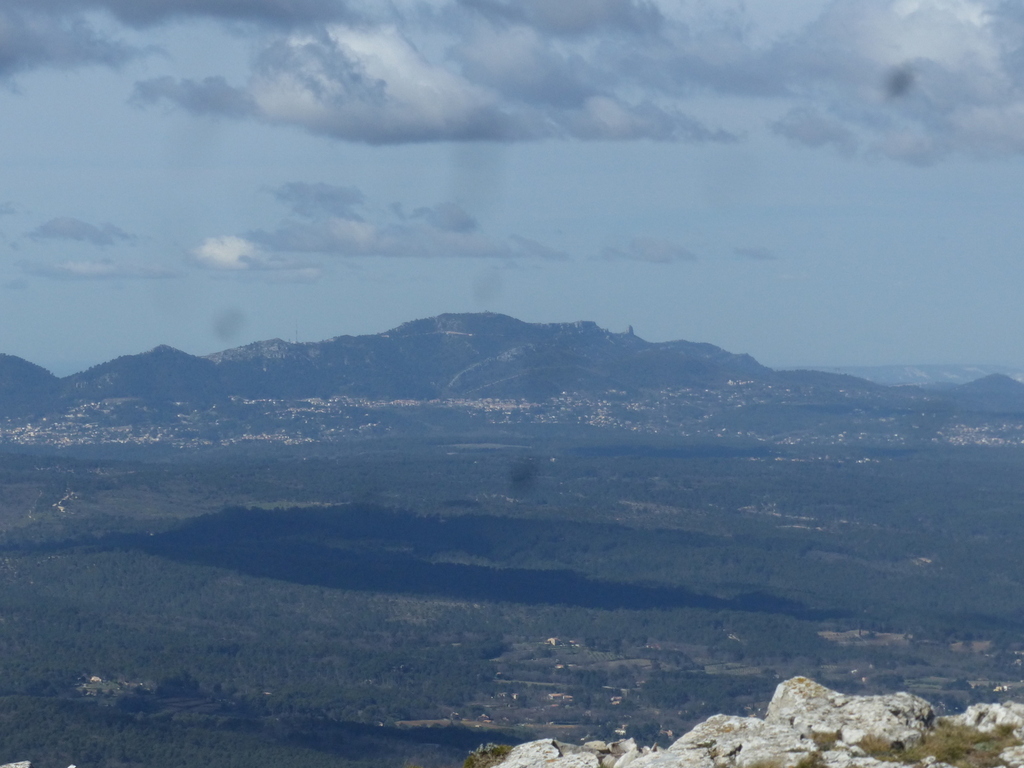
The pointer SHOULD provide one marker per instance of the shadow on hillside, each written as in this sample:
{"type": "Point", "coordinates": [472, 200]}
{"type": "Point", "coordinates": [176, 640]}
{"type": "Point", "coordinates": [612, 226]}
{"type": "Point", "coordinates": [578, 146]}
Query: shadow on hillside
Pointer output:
{"type": "Point", "coordinates": [386, 551]}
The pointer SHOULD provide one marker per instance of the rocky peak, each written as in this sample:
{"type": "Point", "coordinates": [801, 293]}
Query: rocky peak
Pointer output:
{"type": "Point", "coordinates": [814, 710]}
{"type": "Point", "coordinates": [807, 726]}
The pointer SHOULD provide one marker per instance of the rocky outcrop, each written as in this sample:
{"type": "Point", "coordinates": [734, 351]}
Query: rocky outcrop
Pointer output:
{"type": "Point", "coordinates": [593, 754]}
{"type": "Point", "coordinates": [898, 719]}
{"type": "Point", "coordinates": [24, 764]}
{"type": "Point", "coordinates": [807, 726]}
{"type": "Point", "coordinates": [989, 718]}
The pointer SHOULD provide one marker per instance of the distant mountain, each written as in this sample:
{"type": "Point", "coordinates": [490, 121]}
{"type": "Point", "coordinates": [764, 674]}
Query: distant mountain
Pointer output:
{"type": "Point", "coordinates": [478, 356]}
{"type": "Point", "coordinates": [163, 374]}
{"type": "Point", "coordinates": [25, 387]}
{"type": "Point", "coordinates": [992, 394]}
{"type": "Point", "coordinates": [455, 356]}
{"type": "Point", "coordinates": [931, 376]}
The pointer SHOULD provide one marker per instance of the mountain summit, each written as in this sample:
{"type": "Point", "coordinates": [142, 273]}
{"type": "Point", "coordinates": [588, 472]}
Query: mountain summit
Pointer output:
{"type": "Point", "coordinates": [475, 355]}
{"type": "Point", "coordinates": [482, 355]}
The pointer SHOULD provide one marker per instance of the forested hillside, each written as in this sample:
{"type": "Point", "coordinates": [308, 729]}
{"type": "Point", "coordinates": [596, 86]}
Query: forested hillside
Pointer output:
{"type": "Point", "coordinates": [422, 598]}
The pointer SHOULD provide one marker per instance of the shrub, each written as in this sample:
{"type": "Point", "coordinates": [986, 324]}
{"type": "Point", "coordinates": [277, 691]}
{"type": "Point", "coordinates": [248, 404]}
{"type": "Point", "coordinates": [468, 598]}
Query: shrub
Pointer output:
{"type": "Point", "coordinates": [487, 755]}
{"type": "Point", "coordinates": [825, 740]}
{"type": "Point", "coordinates": [812, 760]}
{"type": "Point", "coordinates": [958, 745]}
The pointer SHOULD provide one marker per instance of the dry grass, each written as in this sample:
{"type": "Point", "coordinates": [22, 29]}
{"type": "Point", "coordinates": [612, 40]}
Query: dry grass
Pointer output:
{"type": "Point", "coordinates": [958, 745]}
{"type": "Point", "coordinates": [825, 741]}
{"type": "Point", "coordinates": [487, 755]}
{"type": "Point", "coordinates": [812, 760]}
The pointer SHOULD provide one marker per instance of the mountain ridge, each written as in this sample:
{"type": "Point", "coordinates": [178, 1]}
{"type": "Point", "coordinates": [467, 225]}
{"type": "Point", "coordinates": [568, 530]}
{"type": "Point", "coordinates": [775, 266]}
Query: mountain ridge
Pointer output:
{"type": "Point", "coordinates": [475, 355]}
{"type": "Point", "coordinates": [475, 358]}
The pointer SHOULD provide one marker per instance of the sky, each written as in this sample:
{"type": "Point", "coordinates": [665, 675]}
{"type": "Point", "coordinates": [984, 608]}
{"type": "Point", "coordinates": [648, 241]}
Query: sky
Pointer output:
{"type": "Point", "coordinates": [815, 182]}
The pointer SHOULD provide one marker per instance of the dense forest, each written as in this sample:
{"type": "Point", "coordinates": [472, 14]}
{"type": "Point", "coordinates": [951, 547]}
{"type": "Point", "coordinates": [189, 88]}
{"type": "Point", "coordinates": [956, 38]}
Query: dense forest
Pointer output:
{"type": "Point", "coordinates": [400, 602]}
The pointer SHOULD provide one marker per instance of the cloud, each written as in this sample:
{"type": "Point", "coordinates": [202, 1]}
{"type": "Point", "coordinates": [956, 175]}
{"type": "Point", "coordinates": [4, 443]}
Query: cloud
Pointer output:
{"type": "Point", "coordinates": [802, 125]}
{"type": "Point", "coordinates": [66, 228]}
{"type": "Point", "coordinates": [231, 254]}
{"type": "Point", "coordinates": [755, 254]}
{"type": "Point", "coordinates": [30, 39]}
{"type": "Point", "coordinates": [7, 209]}
{"type": "Point", "coordinates": [526, 248]}
{"type": "Point", "coordinates": [374, 85]}
{"type": "Point", "coordinates": [100, 269]}
{"type": "Point", "coordinates": [234, 254]}
{"type": "Point", "coordinates": [573, 18]}
{"type": "Point", "coordinates": [328, 225]}
{"type": "Point", "coordinates": [651, 250]}
{"type": "Point", "coordinates": [915, 80]}
{"type": "Point", "coordinates": [448, 217]}
{"type": "Point", "coordinates": [211, 96]}
{"type": "Point", "coordinates": [311, 200]}
{"type": "Point", "coordinates": [140, 13]}
{"type": "Point", "coordinates": [336, 236]}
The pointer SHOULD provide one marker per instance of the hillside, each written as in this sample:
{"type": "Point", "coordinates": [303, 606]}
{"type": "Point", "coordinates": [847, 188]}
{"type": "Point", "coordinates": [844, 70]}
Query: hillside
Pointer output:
{"type": "Point", "coordinates": [475, 355]}
{"type": "Point", "coordinates": [469, 356]}
{"type": "Point", "coordinates": [487, 377]}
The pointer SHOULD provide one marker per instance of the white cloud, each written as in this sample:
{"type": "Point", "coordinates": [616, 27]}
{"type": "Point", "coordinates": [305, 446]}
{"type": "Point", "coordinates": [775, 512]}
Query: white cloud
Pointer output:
{"type": "Point", "coordinates": [237, 255]}
{"type": "Point", "coordinates": [373, 85]}
{"type": "Point", "coordinates": [911, 79]}
{"type": "Point", "coordinates": [329, 225]}
{"type": "Point", "coordinates": [369, 85]}
{"type": "Point", "coordinates": [337, 236]}
{"type": "Point", "coordinates": [232, 253]}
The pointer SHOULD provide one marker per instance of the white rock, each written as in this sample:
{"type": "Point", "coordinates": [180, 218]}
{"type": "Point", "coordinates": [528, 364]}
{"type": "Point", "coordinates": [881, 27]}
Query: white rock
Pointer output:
{"type": "Point", "coordinates": [23, 764]}
{"type": "Point", "coordinates": [627, 759]}
{"type": "Point", "coordinates": [744, 741]}
{"type": "Point", "coordinates": [800, 710]}
{"type": "Point", "coordinates": [988, 717]}
{"type": "Point", "coordinates": [622, 747]}
{"type": "Point", "coordinates": [545, 753]}
{"type": "Point", "coordinates": [1013, 757]}
{"type": "Point", "coordinates": [842, 758]}
{"type": "Point", "coordinates": [683, 758]}
{"type": "Point", "coordinates": [899, 718]}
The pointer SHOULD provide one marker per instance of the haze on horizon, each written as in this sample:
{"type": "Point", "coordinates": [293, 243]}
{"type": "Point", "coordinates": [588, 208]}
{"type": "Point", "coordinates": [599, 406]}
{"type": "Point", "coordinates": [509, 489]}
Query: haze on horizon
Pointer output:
{"type": "Point", "coordinates": [834, 183]}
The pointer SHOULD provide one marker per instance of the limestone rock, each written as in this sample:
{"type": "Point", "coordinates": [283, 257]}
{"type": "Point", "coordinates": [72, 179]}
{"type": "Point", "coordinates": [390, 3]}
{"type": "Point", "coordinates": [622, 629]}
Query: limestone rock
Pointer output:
{"type": "Point", "coordinates": [668, 758]}
{"type": "Point", "coordinates": [535, 754]}
{"type": "Point", "coordinates": [844, 758]}
{"type": "Point", "coordinates": [805, 721]}
{"type": "Point", "coordinates": [618, 754]}
{"type": "Point", "coordinates": [988, 717]}
{"type": "Point", "coordinates": [1013, 757]}
{"type": "Point", "coordinates": [740, 742]}
{"type": "Point", "coordinates": [899, 719]}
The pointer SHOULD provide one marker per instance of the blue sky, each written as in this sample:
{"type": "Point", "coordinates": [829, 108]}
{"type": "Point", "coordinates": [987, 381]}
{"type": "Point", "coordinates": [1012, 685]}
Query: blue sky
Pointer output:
{"type": "Point", "coordinates": [830, 182]}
